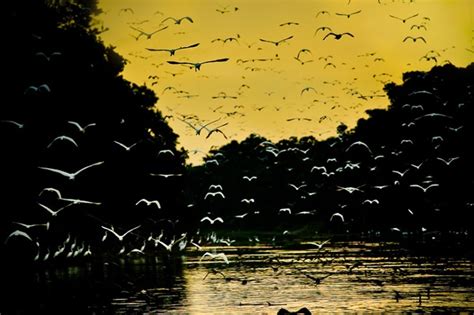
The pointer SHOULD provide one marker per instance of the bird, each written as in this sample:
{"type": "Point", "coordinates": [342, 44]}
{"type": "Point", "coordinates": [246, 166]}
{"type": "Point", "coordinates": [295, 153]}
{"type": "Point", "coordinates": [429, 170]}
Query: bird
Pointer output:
{"type": "Point", "coordinates": [297, 187]}
{"type": "Point", "coordinates": [212, 221]}
{"type": "Point", "coordinates": [29, 226]}
{"type": "Point", "coordinates": [322, 12]}
{"type": "Point", "coordinates": [418, 27]}
{"type": "Point", "coordinates": [401, 174]}
{"type": "Point", "coordinates": [337, 36]}
{"type": "Point", "coordinates": [120, 237]}
{"type": "Point", "coordinates": [201, 127]}
{"type": "Point", "coordinates": [70, 176]}
{"type": "Point", "coordinates": [54, 213]}
{"type": "Point", "coordinates": [18, 233]}
{"type": "Point", "coordinates": [288, 210]}
{"type": "Point", "coordinates": [322, 28]}
{"type": "Point", "coordinates": [169, 247]}
{"type": "Point", "coordinates": [403, 19]}
{"type": "Point", "coordinates": [215, 186]}
{"type": "Point", "coordinates": [63, 138]}
{"type": "Point", "coordinates": [214, 256]}
{"type": "Point", "coordinates": [319, 245]}
{"type": "Point", "coordinates": [414, 39]}
{"type": "Point", "coordinates": [276, 43]}
{"type": "Point", "coordinates": [349, 189]}
{"type": "Point", "coordinates": [148, 35]}
{"type": "Point", "coordinates": [449, 161]}
{"type": "Point", "coordinates": [248, 201]}
{"type": "Point", "coordinates": [348, 15]}
{"type": "Point", "coordinates": [251, 178]}
{"type": "Point", "coordinates": [359, 143]}
{"type": "Point", "coordinates": [149, 202]}
{"type": "Point", "coordinates": [338, 215]}
{"type": "Point", "coordinates": [166, 151]}
{"type": "Point", "coordinates": [196, 65]}
{"type": "Point", "coordinates": [79, 127]}
{"type": "Point", "coordinates": [213, 194]}
{"type": "Point", "coordinates": [370, 202]}
{"type": "Point", "coordinates": [425, 189]}
{"type": "Point", "coordinates": [172, 51]}
{"type": "Point", "coordinates": [178, 21]}
{"type": "Point", "coordinates": [166, 175]}
{"type": "Point", "coordinates": [307, 89]}
{"type": "Point", "coordinates": [290, 23]}
{"type": "Point", "coordinates": [125, 147]}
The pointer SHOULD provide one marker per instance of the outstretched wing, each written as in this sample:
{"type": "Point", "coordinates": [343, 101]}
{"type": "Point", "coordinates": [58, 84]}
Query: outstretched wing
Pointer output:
{"type": "Point", "coordinates": [89, 166]}
{"type": "Point", "coordinates": [215, 60]}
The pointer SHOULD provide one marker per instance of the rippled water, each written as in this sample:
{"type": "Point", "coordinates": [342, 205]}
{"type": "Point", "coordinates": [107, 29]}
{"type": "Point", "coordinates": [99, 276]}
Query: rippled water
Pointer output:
{"type": "Point", "coordinates": [341, 277]}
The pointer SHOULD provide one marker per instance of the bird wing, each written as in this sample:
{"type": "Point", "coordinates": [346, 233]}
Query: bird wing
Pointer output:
{"type": "Point", "coordinates": [356, 12]}
{"type": "Point", "coordinates": [396, 17]}
{"type": "Point", "coordinates": [75, 124]}
{"type": "Point", "coordinates": [190, 46]}
{"type": "Point", "coordinates": [168, 18]}
{"type": "Point", "coordinates": [89, 166]}
{"type": "Point", "coordinates": [161, 29]}
{"type": "Point", "coordinates": [285, 39]}
{"type": "Point", "coordinates": [18, 233]}
{"type": "Point", "coordinates": [412, 16]}
{"type": "Point", "coordinates": [171, 62]}
{"type": "Point", "coordinates": [347, 33]}
{"type": "Point", "coordinates": [187, 18]}
{"type": "Point", "coordinates": [158, 49]}
{"type": "Point", "coordinates": [131, 230]}
{"type": "Point", "coordinates": [48, 209]}
{"type": "Point", "coordinates": [55, 171]}
{"type": "Point", "coordinates": [267, 41]}
{"type": "Point", "coordinates": [329, 34]}
{"type": "Point", "coordinates": [215, 60]}
{"type": "Point", "coordinates": [121, 144]}
{"type": "Point", "coordinates": [206, 218]}
{"type": "Point", "coordinates": [111, 231]}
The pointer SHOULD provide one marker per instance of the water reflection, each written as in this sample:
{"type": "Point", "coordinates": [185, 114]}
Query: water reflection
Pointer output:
{"type": "Point", "coordinates": [340, 277]}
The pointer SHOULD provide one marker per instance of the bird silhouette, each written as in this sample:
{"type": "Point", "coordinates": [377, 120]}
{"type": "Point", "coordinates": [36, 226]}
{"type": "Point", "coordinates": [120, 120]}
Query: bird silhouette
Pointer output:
{"type": "Point", "coordinates": [63, 138]}
{"type": "Point", "coordinates": [196, 65]}
{"type": "Point", "coordinates": [70, 176]}
{"type": "Point", "coordinates": [319, 245]}
{"type": "Point", "coordinates": [403, 19]}
{"type": "Point", "coordinates": [348, 15]}
{"type": "Point", "coordinates": [213, 194]}
{"type": "Point", "coordinates": [212, 221]}
{"type": "Point", "coordinates": [216, 129]}
{"type": "Point", "coordinates": [172, 51]}
{"type": "Point", "coordinates": [120, 237]}
{"type": "Point", "coordinates": [52, 212]}
{"type": "Point", "coordinates": [414, 39]}
{"type": "Point", "coordinates": [337, 215]}
{"type": "Point", "coordinates": [276, 43]}
{"type": "Point", "coordinates": [251, 178]}
{"type": "Point", "coordinates": [337, 36]}
{"type": "Point", "coordinates": [14, 123]}
{"type": "Point", "coordinates": [18, 233]}
{"type": "Point", "coordinates": [149, 202]}
{"type": "Point", "coordinates": [322, 28]}
{"type": "Point", "coordinates": [178, 21]}
{"type": "Point", "coordinates": [418, 27]}
{"type": "Point", "coordinates": [146, 34]}
{"type": "Point", "coordinates": [79, 127]}
{"type": "Point", "coordinates": [126, 147]}
{"type": "Point", "coordinates": [214, 256]}
{"type": "Point", "coordinates": [323, 12]}
{"type": "Point", "coordinates": [359, 143]}
{"type": "Point", "coordinates": [424, 189]}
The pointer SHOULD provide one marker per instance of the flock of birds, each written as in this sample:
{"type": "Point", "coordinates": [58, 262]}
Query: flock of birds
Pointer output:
{"type": "Point", "coordinates": [320, 112]}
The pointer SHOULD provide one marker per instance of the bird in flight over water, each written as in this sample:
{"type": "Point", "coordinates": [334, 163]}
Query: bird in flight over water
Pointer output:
{"type": "Point", "coordinates": [196, 65]}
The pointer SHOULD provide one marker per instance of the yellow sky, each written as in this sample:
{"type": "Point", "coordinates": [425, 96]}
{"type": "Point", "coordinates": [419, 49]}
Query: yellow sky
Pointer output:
{"type": "Point", "coordinates": [275, 85]}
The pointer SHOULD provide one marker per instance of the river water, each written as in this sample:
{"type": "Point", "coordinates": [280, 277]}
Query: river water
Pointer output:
{"type": "Point", "coordinates": [339, 277]}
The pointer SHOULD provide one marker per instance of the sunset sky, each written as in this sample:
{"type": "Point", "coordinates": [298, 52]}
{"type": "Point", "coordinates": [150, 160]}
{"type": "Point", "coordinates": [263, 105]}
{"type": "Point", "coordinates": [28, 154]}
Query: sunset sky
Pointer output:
{"type": "Point", "coordinates": [262, 88]}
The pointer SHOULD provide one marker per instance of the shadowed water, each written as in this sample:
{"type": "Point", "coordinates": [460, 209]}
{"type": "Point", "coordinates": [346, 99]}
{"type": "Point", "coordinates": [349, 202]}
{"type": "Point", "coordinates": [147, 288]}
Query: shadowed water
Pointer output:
{"type": "Point", "coordinates": [339, 277]}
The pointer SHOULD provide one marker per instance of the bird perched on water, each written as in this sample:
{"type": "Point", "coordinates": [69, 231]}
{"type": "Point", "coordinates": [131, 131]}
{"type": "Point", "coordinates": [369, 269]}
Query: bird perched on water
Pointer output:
{"type": "Point", "coordinates": [196, 65]}
{"type": "Point", "coordinates": [172, 51]}
{"type": "Point", "coordinates": [337, 36]}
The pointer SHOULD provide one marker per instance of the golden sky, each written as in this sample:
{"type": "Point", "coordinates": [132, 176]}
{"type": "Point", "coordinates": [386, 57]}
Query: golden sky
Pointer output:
{"type": "Point", "coordinates": [268, 92]}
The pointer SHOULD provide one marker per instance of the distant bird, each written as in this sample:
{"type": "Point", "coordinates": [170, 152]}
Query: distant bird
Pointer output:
{"type": "Point", "coordinates": [149, 202]}
{"type": "Point", "coordinates": [425, 189]}
{"type": "Point", "coordinates": [125, 147]}
{"type": "Point", "coordinates": [323, 12]}
{"type": "Point", "coordinates": [348, 15]}
{"type": "Point", "coordinates": [63, 138]}
{"type": "Point", "coordinates": [276, 43]}
{"type": "Point", "coordinates": [166, 175]}
{"type": "Point", "coordinates": [120, 237]}
{"type": "Point", "coordinates": [418, 27]}
{"type": "Point", "coordinates": [349, 189]}
{"type": "Point", "coordinates": [165, 151]}
{"type": "Point", "coordinates": [196, 65]}
{"type": "Point", "coordinates": [403, 19]}
{"type": "Point", "coordinates": [248, 201]}
{"type": "Point", "coordinates": [214, 256]}
{"type": "Point", "coordinates": [288, 210]}
{"type": "Point", "coordinates": [52, 212]}
{"type": "Point", "coordinates": [43, 88]}
{"type": "Point", "coordinates": [307, 89]}
{"type": "Point", "coordinates": [359, 143]}
{"type": "Point", "coordinates": [337, 215]}
{"type": "Point", "coordinates": [414, 39]}
{"type": "Point", "coordinates": [249, 178]}
{"type": "Point", "coordinates": [212, 221]}
{"type": "Point", "coordinates": [130, 10]}
{"type": "Point", "coordinates": [319, 245]}
{"type": "Point", "coordinates": [178, 21]}
{"type": "Point", "coordinates": [337, 36]}
{"type": "Point", "coordinates": [322, 28]}
{"type": "Point", "coordinates": [215, 186]}
{"type": "Point", "coordinates": [172, 51]}
{"type": "Point", "coordinates": [401, 174]}
{"type": "Point", "coordinates": [201, 127]}
{"type": "Point", "coordinates": [29, 226]}
{"type": "Point", "coordinates": [146, 34]}
{"type": "Point", "coordinates": [301, 311]}
{"type": "Point", "coordinates": [297, 187]}
{"type": "Point", "coordinates": [370, 202]}
{"type": "Point", "coordinates": [449, 161]}
{"type": "Point", "coordinates": [213, 194]}
{"type": "Point", "coordinates": [79, 127]}
{"type": "Point", "coordinates": [70, 176]}
{"type": "Point", "coordinates": [18, 233]}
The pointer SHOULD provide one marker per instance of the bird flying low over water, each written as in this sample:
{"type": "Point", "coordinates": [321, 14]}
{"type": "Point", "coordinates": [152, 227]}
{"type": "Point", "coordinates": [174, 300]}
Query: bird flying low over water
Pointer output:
{"type": "Point", "coordinates": [172, 51]}
{"type": "Point", "coordinates": [196, 65]}
{"type": "Point", "coordinates": [337, 36]}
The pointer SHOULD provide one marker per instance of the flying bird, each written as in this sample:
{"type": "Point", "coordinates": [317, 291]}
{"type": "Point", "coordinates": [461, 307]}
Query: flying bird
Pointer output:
{"type": "Point", "coordinates": [403, 19]}
{"type": "Point", "coordinates": [63, 138]}
{"type": "Point", "coordinates": [120, 237]}
{"type": "Point", "coordinates": [213, 194]}
{"type": "Point", "coordinates": [70, 176]}
{"type": "Point", "coordinates": [178, 21]}
{"type": "Point", "coordinates": [125, 147]}
{"type": "Point", "coordinates": [359, 143]}
{"type": "Point", "coordinates": [212, 221]}
{"type": "Point", "coordinates": [337, 215]}
{"type": "Point", "coordinates": [18, 233]}
{"type": "Point", "coordinates": [319, 245]}
{"type": "Point", "coordinates": [348, 15]}
{"type": "Point", "coordinates": [196, 65]}
{"type": "Point", "coordinates": [14, 123]}
{"type": "Point", "coordinates": [425, 189]}
{"type": "Point", "coordinates": [322, 28]}
{"type": "Point", "coordinates": [216, 129]}
{"type": "Point", "coordinates": [276, 43]}
{"type": "Point", "coordinates": [249, 178]}
{"type": "Point", "coordinates": [146, 34]}
{"type": "Point", "coordinates": [52, 212]}
{"type": "Point", "coordinates": [337, 36]}
{"type": "Point", "coordinates": [172, 51]}
{"type": "Point", "coordinates": [323, 12]}
{"type": "Point", "coordinates": [149, 202]}
{"type": "Point", "coordinates": [414, 39]}
{"type": "Point", "coordinates": [214, 256]}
